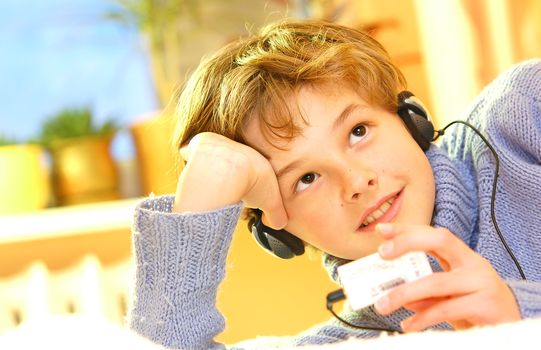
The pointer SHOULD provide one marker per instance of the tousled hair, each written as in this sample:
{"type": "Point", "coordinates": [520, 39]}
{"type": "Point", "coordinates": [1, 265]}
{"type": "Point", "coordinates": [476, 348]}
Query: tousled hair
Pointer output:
{"type": "Point", "coordinates": [255, 77]}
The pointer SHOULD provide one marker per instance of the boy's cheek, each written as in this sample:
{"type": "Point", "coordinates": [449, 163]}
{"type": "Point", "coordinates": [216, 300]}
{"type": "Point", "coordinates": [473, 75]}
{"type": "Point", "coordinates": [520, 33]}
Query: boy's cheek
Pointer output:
{"type": "Point", "coordinates": [309, 225]}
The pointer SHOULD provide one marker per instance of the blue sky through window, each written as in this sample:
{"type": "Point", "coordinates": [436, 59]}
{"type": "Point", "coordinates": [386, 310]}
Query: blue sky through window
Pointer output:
{"type": "Point", "coordinates": [63, 53]}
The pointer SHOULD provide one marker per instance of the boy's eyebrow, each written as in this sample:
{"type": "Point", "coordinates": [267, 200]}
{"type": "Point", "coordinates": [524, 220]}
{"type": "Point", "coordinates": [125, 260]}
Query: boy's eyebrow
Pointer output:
{"type": "Point", "coordinates": [345, 114]}
{"type": "Point", "coordinates": [285, 169]}
{"type": "Point", "coordinates": [342, 117]}
{"type": "Point", "coordinates": [288, 168]}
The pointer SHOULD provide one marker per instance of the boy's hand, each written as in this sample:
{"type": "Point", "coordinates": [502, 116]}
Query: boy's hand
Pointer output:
{"type": "Point", "coordinates": [468, 293]}
{"type": "Point", "coordinates": [220, 172]}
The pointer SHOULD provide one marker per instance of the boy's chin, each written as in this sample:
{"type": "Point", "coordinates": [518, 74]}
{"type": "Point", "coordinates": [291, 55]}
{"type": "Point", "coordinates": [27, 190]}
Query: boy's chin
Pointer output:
{"type": "Point", "coordinates": [356, 255]}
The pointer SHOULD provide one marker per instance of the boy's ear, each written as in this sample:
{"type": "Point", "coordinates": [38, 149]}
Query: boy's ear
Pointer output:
{"type": "Point", "coordinates": [417, 119]}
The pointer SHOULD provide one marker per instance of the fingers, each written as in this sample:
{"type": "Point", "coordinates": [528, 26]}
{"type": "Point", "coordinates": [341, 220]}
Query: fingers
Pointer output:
{"type": "Point", "coordinates": [246, 175]}
{"type": "Point", "coordinates": [418, 306]}
{"type": "Point", "coordinates": [400, 239]}
{"type": "Point", "coordinates": [186, 150]}
{"type": "Point", "coordinates": [265, 195]}
{"type": "Point", "coordinates": [443, 297]}
{"type": "Point", "coordinates": [469, 292]}
{"type": "Point", "coordinates": [449, 310]}
{"type": "Point", "coordinates": [416, 294]}
{"type": "Point", "coordinates": [274, 213]}
{"type": "Point", "coordinates": [467, 271]}
{"type": "Point", "coordinates": [461, 312]}
{"type": "Point", "coordinates": [487, 306]}
{"type": "Point", "coordinates": [276, 220]}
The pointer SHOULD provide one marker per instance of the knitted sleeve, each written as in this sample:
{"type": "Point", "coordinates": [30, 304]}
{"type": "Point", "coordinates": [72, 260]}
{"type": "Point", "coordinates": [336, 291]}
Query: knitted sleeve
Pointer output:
{"type": "Point", "coordinates": [528, 296]}
{"type": "Point", "coordinates": [180, 261]}
{"type": "Point", "coordinates": [511, 108]}
{"type": "Point", "coordinates": [515, 113]}
{"type": "Point", "coordinates": [522, 139]}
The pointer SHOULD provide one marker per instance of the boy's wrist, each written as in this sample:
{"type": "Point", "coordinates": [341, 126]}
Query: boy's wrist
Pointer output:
{"type": "Point", "coordinates": [194, 197]}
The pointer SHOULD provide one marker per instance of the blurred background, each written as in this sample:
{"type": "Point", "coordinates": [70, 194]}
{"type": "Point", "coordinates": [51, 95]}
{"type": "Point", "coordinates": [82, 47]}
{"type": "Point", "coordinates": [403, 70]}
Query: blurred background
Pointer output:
{"type": "Point", "coordinates": [86, 118]}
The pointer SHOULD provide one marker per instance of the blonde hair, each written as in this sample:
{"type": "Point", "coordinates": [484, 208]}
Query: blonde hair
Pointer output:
{"type": "Point", "coordinates": [253, 78]}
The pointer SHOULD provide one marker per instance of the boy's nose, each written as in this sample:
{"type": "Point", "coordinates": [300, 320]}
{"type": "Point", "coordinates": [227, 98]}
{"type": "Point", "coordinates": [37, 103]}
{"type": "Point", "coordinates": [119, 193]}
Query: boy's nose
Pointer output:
{"type": "Point", "coordinates": [357, 182]}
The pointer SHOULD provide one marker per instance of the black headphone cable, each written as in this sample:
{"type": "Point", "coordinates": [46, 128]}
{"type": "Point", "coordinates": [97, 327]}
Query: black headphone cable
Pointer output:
{"type": "Point", "coordinates": [339, 295]}
{"type": "Point", "coordinates": [493, 197]}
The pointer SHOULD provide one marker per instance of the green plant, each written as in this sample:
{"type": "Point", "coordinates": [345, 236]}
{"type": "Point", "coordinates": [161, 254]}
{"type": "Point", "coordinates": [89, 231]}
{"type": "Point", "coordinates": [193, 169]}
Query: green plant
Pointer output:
{"type": "Point", "coordinates": [7, 140]}
{"type": "Point", "coordinates": [73, 123]}
{"type": "Point", "coordinates": [165, 24]}
{"type": "Point", "coordinates": [178, 32]}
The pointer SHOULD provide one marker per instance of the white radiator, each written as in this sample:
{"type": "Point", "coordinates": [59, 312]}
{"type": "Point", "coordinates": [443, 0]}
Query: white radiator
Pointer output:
{"type": "Point", "coordinates": [86, 288]}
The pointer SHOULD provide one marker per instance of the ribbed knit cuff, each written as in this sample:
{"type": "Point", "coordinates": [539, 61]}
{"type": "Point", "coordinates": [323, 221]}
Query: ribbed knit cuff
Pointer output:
{"type": "Point", "coordinates": [528, 295]}
{"type": "Point", "coordinates": [180, 261]}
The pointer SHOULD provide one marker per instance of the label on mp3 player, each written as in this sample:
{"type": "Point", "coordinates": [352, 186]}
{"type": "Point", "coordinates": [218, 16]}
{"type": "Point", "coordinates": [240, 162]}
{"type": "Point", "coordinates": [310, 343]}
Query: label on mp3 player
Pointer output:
{"type": "Point", "coordinates": [368, 279]}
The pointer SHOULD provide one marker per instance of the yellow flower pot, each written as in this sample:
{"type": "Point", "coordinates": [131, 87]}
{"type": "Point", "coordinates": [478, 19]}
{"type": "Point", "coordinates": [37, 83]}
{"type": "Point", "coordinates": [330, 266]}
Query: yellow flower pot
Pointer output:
{"type": "Point", "coordinates": [158, 162]}
{"type": "Point", "coordinates": [84, 171]}
{"type": "Point", "coordinates": [24, 179]}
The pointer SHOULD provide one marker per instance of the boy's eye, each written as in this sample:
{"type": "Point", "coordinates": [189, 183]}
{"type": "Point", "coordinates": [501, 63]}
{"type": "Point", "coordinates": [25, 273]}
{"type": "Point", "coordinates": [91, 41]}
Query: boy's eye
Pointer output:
{"type": "Point", "coordinates": [357, 133]}
{"type": "Point", "coordinates": [305, 181]}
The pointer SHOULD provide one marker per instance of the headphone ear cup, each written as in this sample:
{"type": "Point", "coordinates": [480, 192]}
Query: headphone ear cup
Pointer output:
{"type": "Point", "coordinates": [416, 118]}
{"type": "Point", "coordinates": [260, 237]}
{"type": "Point", "coordinates": [279, 248]}
{"type": "Point", "coordinates": [424, 128]}
{"type": "Point", "coordinates": [278, 242]}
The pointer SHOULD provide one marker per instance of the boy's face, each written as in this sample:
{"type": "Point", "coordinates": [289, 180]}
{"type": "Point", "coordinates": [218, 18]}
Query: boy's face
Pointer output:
{"type": "Point", "coordinates": [353, 166]}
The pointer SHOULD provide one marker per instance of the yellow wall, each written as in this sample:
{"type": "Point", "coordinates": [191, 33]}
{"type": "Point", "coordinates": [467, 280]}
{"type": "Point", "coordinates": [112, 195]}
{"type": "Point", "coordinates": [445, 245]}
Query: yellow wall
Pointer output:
{"type": "Point", "coordinates": [265, 295]}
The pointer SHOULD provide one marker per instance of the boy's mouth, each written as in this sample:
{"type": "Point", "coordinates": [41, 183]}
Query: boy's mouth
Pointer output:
{"type": "Point", "coordinates": [383, 211]}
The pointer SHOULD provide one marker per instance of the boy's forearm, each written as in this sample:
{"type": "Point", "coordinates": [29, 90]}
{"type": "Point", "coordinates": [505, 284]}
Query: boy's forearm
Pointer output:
{"type": "Point", "coordinates": [180, 262]}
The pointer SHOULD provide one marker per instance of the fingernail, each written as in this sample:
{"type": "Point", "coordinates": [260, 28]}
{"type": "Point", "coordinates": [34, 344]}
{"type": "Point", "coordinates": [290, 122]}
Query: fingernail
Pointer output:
{"type": "Point", "coordinates": [384, 227]}
{"type": "Point", "coordinates": [386, 248]}
{"type": "Point", "coordinates": [382, 304]}
{"type": "Point", "coordinates": [405, 324]}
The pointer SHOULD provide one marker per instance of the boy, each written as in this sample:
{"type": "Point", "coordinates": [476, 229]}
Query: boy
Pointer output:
{"type": "Point", "coordinates": [301, 122]}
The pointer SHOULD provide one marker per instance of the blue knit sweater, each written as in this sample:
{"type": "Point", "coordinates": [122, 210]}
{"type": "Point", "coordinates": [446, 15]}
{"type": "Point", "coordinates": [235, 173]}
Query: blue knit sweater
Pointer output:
{"type": "Point", "coordinates": [181, 257]}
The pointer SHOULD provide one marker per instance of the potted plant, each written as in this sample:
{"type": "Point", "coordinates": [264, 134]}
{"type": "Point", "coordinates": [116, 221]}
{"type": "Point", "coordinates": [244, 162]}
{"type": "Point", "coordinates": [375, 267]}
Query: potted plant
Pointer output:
{"type": "Point", "coordinates": [24, 176]}
{"type": "Point", "coordinates": [83, 169]}
{"type": "Point", "coordinates": [159, 163]}
{"type": "Point", "coordinates": [176, 34]}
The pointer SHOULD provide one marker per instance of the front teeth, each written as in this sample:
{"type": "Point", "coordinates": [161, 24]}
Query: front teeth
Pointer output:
{"type": "Point", "coordinates": [376, 214]}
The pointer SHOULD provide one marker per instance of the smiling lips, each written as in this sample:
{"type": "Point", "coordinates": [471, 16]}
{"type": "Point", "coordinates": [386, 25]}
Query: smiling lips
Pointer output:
{"type": "Point", "coordinates": [385, 211]}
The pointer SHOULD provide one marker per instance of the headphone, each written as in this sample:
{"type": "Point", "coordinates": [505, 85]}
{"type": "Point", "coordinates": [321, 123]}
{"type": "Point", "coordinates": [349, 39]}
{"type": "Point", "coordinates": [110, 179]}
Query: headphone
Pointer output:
{"type": "Point", "coordinates": [286, 245]}
{"type": "Point", "coordinates": [417, 119]}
